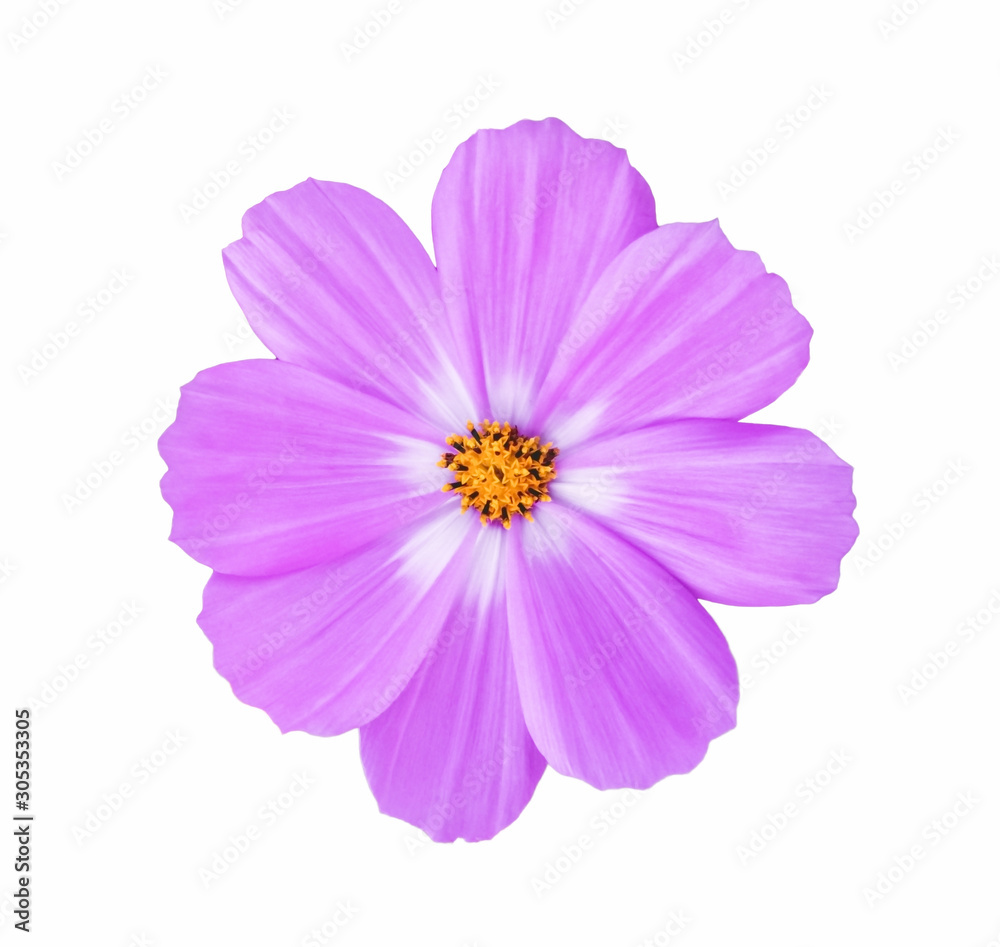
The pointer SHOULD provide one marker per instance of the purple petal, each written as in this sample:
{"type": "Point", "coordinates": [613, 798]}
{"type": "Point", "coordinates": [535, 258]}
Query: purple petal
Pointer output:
{"type": "Point", "coordinates": [744, 514]}
{"type": "Point", "coordinates": [624, 677]}
{"type": "Point", "coordinates": [328, 649]}
{"type": "Point", "coordinates": [274, 468]}
{"type": "Point", "coordinates": [525, 219]}
{"type": "Point", "coordinates": [452, 755]}
{"type": "Point", "coordinates": [681, 324]}
{"type": "Point", "coordinates": [331, 279]}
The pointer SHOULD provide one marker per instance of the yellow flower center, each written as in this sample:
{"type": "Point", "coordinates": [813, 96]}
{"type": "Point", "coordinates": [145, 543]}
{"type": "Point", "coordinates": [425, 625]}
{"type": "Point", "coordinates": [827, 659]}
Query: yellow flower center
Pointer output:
{"type": "Point", "coordinates": [498, 471]}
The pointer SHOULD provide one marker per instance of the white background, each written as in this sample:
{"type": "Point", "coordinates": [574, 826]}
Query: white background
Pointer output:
{"type": "Point", "coordinates": [608, 69]}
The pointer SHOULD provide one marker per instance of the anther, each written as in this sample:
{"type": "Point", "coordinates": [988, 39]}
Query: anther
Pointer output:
{"type": "Point", "coordinates": [498, 471]}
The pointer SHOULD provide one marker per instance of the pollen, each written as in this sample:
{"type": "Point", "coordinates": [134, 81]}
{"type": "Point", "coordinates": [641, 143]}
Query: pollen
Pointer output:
{"type": "Point", "coordinates": [498, 471]}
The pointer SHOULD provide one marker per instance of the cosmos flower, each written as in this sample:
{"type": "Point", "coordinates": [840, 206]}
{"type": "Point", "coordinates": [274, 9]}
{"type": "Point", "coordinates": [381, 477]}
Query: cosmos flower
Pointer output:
{"type": "Point", "coordinates": [471, 509]}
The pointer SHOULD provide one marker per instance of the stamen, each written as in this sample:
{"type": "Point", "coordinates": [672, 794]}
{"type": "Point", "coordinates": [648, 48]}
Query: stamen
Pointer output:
{"type": "Point", "coordinates": [499, 472]}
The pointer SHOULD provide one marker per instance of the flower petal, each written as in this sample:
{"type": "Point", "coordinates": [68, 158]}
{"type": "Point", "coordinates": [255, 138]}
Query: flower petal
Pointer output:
{"type": "Point", "coordinates": [274, 468]}
{"type": "Point", "coordinates": [681, 324]}
{"type": "Point", "coordinates": [327, 649]}
{"type": "Point", "coordinates": [330, 278]}
{"type": "Point", "coordinates": [624, 677]}
{"type": "Point", "coordinates": [452, 755]}
{"type": "Point", "coordinates": [744, 514]}
{"type": "Point", "coordinates": [525, 219]}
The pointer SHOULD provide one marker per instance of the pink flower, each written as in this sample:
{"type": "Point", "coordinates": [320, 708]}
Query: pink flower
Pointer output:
{"type": "Point", "coordinates": [348, 591]}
